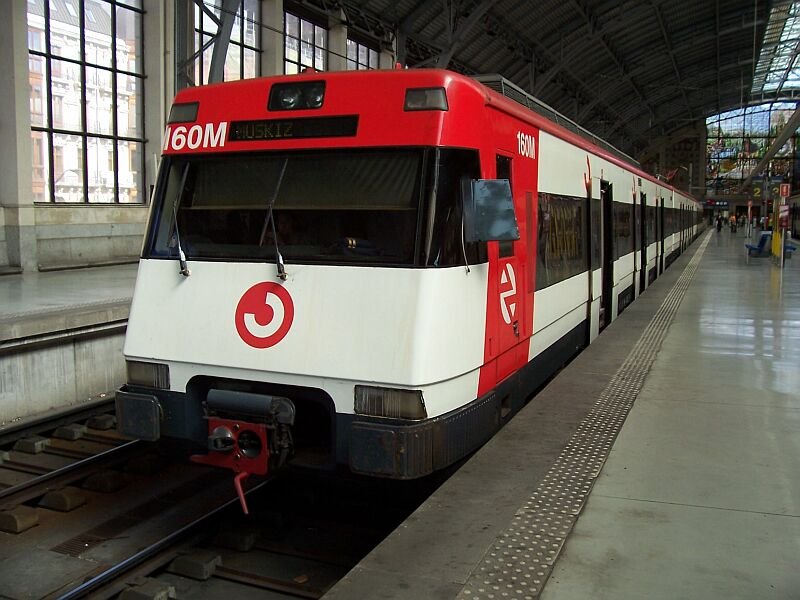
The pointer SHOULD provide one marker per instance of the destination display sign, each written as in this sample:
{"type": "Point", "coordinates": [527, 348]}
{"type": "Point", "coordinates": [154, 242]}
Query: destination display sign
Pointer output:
{"type": "Point", "coordinates": [286, 129]}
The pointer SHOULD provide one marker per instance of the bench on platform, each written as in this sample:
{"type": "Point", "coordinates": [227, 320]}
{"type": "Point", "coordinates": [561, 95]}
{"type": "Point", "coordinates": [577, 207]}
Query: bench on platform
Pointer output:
{"type": "Point", "coordinates": [762, 249]}
{"type": "Point", "coordinates": [764, 246]}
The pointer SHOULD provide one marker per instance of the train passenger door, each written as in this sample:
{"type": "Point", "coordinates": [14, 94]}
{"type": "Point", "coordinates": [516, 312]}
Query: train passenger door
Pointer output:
{"type": "Point", "coordinates": [593, 255]}
{"type": "Point", "coordinates": [513, 283]}
{"type": "Point", "coordinates": [607, 252]}
{"type": "Point", "coordinates": [645, 241]}
{"type": "Point", "coordinates": [636, 241]}
{"type": "Point", "coordinates": [661, 236]}
{"type": "Point", "coordinates": [687, 234]}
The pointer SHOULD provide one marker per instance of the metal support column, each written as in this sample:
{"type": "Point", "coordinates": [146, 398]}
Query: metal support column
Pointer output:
{"type": "Point", "coordinates": [229, 10]}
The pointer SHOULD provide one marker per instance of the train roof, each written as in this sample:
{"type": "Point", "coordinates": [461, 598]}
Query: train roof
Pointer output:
{"type": "Point", "coordinates": [490, 90]}
{"type": "Point", "coordinates": [515, 101]}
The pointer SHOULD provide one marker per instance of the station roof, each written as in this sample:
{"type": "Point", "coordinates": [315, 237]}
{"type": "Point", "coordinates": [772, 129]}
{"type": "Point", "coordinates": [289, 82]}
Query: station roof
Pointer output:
{"type": "Point", "coordinates": [630, 71]}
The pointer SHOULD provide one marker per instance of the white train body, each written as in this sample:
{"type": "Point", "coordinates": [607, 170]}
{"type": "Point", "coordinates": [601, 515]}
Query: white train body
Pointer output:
{"type": "Point", "coordinates": [390, 364]}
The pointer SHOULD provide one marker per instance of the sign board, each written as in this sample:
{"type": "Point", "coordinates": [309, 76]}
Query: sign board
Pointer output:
{"type": "Point", "coordinates": [765, 188]}
{"type": "Point", "coordinates": [785, 190]}
{"type": "Point", "coordinates": [783, 216]}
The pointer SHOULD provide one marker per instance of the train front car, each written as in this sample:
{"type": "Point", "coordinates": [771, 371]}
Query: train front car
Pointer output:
{"type": "Point", "coordinates": [310, 287]}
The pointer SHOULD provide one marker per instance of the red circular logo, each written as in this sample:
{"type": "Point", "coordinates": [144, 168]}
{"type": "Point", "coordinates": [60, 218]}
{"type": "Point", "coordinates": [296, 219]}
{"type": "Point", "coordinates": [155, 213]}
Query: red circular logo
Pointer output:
{"type": "Point", "coordinates": [264, 315]}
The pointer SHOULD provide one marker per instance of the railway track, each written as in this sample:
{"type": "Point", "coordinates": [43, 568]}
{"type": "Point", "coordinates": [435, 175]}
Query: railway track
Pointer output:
{"type": "Point", "coordinates": [70, 451]}
{"type": "Point", "coordinates": [103, 404]}
{"type": "Point", "coordinates": [304, 535]}
{"type": "Point", "coordinates": [98, 516]}
{"type": "Point", "coordinates": [116, 505]}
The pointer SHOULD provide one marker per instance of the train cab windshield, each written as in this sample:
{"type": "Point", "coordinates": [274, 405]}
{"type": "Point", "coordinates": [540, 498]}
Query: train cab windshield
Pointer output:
{"type": "Point", "coordinates": [373, 206]}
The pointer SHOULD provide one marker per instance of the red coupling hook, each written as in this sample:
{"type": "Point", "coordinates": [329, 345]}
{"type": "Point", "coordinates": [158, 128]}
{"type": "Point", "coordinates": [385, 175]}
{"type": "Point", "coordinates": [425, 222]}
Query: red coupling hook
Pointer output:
{"type": "Point", "coordinates": [238, 481]}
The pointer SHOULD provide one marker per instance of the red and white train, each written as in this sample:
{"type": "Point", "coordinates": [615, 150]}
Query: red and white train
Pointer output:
{"type": "Point", "coordinates": [376, 269]}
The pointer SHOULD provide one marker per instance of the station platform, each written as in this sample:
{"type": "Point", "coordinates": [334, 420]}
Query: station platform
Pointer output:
{"type": "Point", "coordinates": [663, 462]}
{"type": "Point", "coordinates": [34, 304]}
{"type": "Point", "coordinates": [61, 336]}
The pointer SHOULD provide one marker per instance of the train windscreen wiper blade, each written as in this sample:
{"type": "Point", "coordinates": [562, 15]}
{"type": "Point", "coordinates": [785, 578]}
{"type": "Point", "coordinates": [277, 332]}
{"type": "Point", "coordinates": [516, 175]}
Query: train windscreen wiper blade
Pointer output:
{"type": "Point", "coordinates": [184, 267]}
{"type": "Point", "coordinates": [270, 219]}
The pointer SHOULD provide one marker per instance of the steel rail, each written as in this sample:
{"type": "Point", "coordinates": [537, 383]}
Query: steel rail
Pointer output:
{"type": "Point", "coordinates": [34, 425]}
{"type": "Point", "coordinates": [135, 560]}
{"type": "Point", "coordinates": [57, 479]}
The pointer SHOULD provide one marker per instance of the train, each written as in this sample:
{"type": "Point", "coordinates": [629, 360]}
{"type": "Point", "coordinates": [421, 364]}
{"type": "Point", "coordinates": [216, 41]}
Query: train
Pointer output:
{"type": "Point", "coordinates": [372, 271]}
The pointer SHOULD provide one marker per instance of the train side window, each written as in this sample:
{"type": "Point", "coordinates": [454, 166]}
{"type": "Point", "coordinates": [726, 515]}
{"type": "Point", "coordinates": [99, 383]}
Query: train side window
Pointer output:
{"type": "Point", "coordinates": [442, 226]}
{"type": "Point", "coordinates": [596, 236]}
{"type": "Point", "coordinates": [504, 172]}
{"type": "Point", "coordinates": [623, 229]}
{"type": "Point", "coordinates": [562, 238]}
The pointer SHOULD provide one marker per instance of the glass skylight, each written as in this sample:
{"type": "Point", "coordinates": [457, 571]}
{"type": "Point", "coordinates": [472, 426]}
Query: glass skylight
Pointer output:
{"type": "Point", "coordinates": [778, 65]}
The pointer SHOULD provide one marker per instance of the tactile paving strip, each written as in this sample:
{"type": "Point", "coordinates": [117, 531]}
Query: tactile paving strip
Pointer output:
{"type": "Point", "coordinates": [520, 561]}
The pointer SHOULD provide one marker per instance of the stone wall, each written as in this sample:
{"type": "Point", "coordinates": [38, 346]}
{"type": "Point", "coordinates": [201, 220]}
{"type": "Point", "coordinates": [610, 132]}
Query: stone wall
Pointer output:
{"type": "Point", "coordinates": [81, 235]}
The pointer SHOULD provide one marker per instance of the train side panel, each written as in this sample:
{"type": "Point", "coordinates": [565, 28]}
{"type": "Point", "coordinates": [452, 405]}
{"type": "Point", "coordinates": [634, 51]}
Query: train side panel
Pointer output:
{"type": "Point", "coordinates": [564, 283]}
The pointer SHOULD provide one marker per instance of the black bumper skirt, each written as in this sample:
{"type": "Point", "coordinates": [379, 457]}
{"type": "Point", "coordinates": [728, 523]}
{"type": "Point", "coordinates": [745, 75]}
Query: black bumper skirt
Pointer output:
{"type": "Point", "coordinates": [399, 450]}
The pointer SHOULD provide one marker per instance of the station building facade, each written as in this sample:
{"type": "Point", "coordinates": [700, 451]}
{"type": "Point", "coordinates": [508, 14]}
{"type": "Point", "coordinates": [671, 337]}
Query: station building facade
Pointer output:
{"type": "Point", "coordinates": [82, 138]}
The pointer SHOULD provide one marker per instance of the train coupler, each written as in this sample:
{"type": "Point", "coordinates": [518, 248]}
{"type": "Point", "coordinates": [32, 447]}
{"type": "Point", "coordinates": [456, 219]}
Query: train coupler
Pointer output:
{"type": "Point", "coordinates": [239, 446]}
{"type": "Point", "coordinates": [247, 447]}
{"type": "Point", "coordinates": [236, 445]}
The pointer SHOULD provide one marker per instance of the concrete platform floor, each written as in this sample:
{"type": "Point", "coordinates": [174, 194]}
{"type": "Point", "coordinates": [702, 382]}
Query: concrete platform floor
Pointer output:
{"type": "Point", "coordinates": [44, 303]}
{"type": "Point", "coordinates": [700, 496]}
{"type": "Point", "coordinates": [32, 293]}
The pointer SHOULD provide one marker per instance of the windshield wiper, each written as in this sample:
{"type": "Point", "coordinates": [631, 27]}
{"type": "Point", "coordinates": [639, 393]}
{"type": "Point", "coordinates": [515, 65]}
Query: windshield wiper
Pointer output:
{"type": "Point", "coordinates": [181, 256]}
{"type": "Point", "coordinates": [270, 219]}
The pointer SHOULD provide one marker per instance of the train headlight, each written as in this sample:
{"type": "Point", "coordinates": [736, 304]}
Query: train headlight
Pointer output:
{"type": "Point", "coordinates": [388, 402]}
{"type": "Point", "coordinates": [425, 99]}
{"type": "Point", "coordinates": [289, 98]}
{"type": "Point", "coordinates": [315, 95]}
{"type": "Point", "coordinates": [185, 112]}
{"type": "Point", "coordinates": [145, 374]}
{"type": "Point", "coordinates": [296, 96]}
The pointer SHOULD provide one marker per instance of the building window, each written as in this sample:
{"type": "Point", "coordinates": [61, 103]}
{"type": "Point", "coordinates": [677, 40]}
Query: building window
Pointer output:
{"type": "Point", "coordinates": [305, 44]}
{"type": "Point", "coordinates": [87, 80]}
{"type": "Point", "coordinates": [361, 56]}
{"type": "Point", "coordinates": [738, 140]}
{"type": "Point", "coordinates": [36, 102]}
{"type": "Point", "coordinates": [241, 61]}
